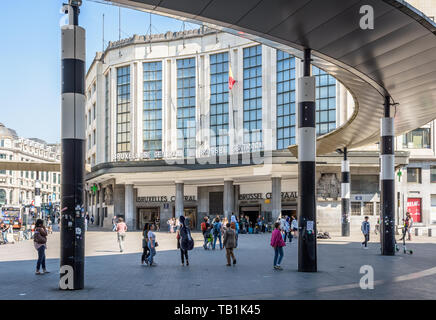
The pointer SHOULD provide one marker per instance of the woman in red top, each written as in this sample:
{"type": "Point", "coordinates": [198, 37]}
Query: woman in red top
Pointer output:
{"type": "Point", "coordinates": [277, 243]}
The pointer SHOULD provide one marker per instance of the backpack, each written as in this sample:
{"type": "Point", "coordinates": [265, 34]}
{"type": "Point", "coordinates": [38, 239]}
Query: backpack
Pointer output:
{"type": "Point", "coordinates": [216, 228]}
{"type": "Point", "coordinates": [186, 243]}
{"type": "Point", "coordinates": [203, 226]}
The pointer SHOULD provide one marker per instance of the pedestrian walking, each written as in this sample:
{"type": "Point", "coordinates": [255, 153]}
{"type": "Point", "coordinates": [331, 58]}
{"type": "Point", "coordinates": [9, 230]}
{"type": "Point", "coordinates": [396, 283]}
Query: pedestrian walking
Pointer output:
{"type": "Point", "coordinates": [216, 231]}
{"type": "Point", "coordinates": [277, 243]}
{"type": "Point", "coordinates": [408, 224]}
{"type": "Point", "coordinates": [365, 230]}
{"type": "Point", "coordinates": [4, 230]}
{"type": "Point", "coordinates": [235, 226]}
{"type": "Point", "coordinates": [121, 229]}
{"type": "Point", "coordinates": [184, 240]}
{"type": "Point", "coordinates": [294, 226]}
{"type": "Point", "coordinates": [230, 243]}
{"type": "Point", "coordinates": [40, 244]}
{"type": "Point", "coordinates": [114, 223]}
{"type": "Point", "coordinates": [152, 244]}
{"type": "Point", "coordinates": [205, 229]}
{"type": "Point", "coordinates": [92, 219]}
{"type": "Point", "coordinates": [145, 249]}
{"type": "Point", "coordinates": [287, 230]}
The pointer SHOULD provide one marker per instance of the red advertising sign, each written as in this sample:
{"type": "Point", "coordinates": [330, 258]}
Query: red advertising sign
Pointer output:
{"type": "Point", "coordinates": [414, 207]}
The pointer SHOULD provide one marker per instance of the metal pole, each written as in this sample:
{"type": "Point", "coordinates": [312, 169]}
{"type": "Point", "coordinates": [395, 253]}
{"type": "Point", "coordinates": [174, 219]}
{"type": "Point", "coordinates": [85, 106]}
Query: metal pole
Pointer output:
{"type": "Point", "coordinates": [307, 261]}
{"type": "Point", "coordinates": [345, 195]}
{"type": "Point", "coordinates": [387, 179]}
{"type": "Point", "coordinates": [72, 259]}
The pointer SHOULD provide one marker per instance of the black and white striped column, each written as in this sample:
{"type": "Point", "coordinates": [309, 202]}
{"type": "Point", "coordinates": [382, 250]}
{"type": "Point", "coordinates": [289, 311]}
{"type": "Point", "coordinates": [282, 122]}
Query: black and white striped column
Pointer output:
{"type": "Point", "coordinates": [387, 180]}
{"type": "Point", "coordinates": [307, 260]}
{"type": "Point", "coordinates": [72, 260]}
{"type": "Point", "coordinates": [345, 195]}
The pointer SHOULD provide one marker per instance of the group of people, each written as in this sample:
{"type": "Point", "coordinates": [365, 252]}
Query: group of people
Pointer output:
{"type": "Point", "coordinates": [172, 225]}
{"type": "Point", "coordinates": [366, 227]}
{"type": "Point", "coordinates": [288, 227]}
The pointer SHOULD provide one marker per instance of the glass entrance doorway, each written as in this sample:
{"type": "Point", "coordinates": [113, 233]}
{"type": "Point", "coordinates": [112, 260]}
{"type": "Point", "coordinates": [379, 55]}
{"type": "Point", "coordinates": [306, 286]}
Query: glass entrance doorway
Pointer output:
{"type": "Point", "coordinates": [191, 214]}
{"type": "Point", "coordinates": [251, 214]}
{"type": "Point", "coordinates": [147, 215]}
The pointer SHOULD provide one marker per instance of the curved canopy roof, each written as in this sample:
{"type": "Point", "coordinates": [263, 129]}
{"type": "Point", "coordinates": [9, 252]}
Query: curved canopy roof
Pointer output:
{"type": "Point", "coordinates": [396, 58]}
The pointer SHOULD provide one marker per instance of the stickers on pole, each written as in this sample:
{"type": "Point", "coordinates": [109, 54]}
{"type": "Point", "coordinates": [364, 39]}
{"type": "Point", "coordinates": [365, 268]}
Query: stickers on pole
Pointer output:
{"type": "Point", "coordinates": [309, 225]}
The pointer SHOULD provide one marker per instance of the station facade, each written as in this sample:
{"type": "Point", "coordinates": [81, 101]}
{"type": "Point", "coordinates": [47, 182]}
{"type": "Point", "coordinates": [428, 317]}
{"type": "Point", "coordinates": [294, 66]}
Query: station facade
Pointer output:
{"type": "Point", "coordinates": [167, 135]}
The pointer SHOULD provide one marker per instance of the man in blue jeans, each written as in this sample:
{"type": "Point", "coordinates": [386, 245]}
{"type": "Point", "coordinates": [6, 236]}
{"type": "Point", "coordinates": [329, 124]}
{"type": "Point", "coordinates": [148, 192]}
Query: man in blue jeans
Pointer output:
{"type": "Point", "coordinates": [216, 231]}
{"type": "Point", "coordinates": [365, 230]}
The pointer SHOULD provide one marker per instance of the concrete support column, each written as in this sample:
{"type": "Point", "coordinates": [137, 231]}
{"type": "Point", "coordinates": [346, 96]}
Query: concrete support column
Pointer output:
{"type": "Point", "coordinates": [129, 213]}
{"type": "Point", "coordinates": [229, 199]}
{"type": "Point", "coordinates": [100, 201]}
{"type": "Point", "coordinates": [387, 180]}
{"type": "Point", "coordinates": [345, 195]}
{"type": "Point", "coordinates": [276, 190]}
{"type": "Point", "coordinates": [180, 198]}
{"type": "Point", "coordinates": [307, 261]}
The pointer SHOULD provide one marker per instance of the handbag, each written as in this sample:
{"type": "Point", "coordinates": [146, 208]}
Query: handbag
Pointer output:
{"type": "Point", "coordinates": [156, 244]}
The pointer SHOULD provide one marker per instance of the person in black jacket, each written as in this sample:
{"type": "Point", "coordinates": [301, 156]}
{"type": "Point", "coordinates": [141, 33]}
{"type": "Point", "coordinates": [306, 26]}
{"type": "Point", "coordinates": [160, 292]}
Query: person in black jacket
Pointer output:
{"type": "Point", "coordinates": [184, 240]}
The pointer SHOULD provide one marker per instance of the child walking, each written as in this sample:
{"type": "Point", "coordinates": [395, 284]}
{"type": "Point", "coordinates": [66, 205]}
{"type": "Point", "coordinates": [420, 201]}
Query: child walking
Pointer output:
{"type": "Point", "coordinates": [277, 243]}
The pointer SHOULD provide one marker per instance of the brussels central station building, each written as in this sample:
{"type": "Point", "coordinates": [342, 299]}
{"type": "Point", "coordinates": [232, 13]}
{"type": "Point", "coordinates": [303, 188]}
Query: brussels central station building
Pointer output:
{"type": "Point", "coordinates": [170, 133]}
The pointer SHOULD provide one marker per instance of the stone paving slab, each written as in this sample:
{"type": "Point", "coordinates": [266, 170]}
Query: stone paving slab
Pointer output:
{"type": "Point", "coordinates": [112, 275]}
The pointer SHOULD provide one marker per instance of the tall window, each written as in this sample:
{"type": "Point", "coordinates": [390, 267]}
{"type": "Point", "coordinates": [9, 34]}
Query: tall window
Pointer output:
{"type": "Point", "coordinates": [325, 101]}
{"type": "Point", "coordinates": [219, 101]}
{"type": "Point", "coordinates": [253, 94]}
{"type": "Point", "coordinates": [123, 109]}
{"type": "Point", "coordinates": [414, 175]}
{"type": "Point", "coordinates": [417, 139]}
{"type": "Point", "coordinates": [186, 106]}
{"type": "Point", "coordinates": [433, 174]}
{"type": "Point", "coordinates": [106, 117]}
{"type": "Point", "coordinates": [152, 133]}
{"type": "Point", "coordinates": [285, 100]}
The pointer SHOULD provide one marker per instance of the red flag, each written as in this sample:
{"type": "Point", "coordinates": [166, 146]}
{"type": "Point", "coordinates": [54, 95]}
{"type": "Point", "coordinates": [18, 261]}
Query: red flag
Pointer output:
{"type": "Point", "coordinates": [231, 79]}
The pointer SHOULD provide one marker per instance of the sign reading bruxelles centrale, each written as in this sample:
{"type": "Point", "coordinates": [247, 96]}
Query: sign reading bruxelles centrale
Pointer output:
{"type": "Point", "coordinates": [162, 199]}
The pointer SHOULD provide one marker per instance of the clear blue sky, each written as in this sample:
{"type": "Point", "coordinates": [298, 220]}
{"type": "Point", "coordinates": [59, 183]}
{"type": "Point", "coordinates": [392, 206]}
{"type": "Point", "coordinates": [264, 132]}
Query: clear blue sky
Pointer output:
{"type": "Point", "coordinates": [30, 57]}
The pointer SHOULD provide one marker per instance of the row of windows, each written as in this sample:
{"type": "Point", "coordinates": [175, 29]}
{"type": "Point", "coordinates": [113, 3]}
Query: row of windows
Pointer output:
{"type": "Point", "coordinates": [414, 175]}
{"type": "Point", "coordinates": [252, 100]}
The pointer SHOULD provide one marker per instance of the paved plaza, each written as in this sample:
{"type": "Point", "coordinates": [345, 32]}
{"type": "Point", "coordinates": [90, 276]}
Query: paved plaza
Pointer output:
{"type": "Point", "coordinates": [111, 275]}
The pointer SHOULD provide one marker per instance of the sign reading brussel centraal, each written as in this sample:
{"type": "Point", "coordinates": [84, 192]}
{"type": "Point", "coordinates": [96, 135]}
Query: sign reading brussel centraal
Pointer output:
{"type": "Point", "coordinates": [292, 195]}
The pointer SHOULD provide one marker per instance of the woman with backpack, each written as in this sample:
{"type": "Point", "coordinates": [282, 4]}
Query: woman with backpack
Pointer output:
{"type": "Point", "coordinates": [216, 231]}
{"type": "Point", "coordinates": [40, 243]}
{"type": "Point", "coordinates": [277, 243]}
{"type": "Point", "coordinates": [184, 240]}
